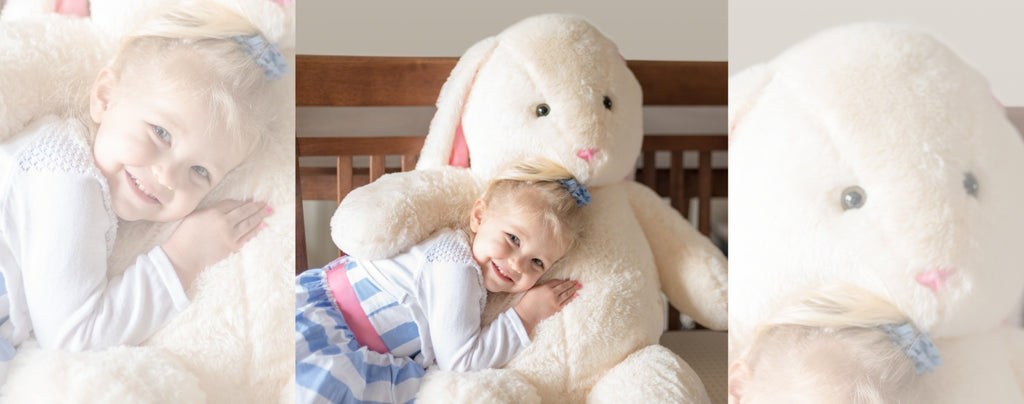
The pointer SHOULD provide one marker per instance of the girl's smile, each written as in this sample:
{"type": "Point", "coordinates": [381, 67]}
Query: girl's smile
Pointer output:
{"type": "Point", "coordinates": [140, 189]}
{"type": "Point", "coordinates": [160, 151]}
{"type": "Point", "coordinates": [501, 274]}
{"type": "Point", "coordinates": [512, 245]}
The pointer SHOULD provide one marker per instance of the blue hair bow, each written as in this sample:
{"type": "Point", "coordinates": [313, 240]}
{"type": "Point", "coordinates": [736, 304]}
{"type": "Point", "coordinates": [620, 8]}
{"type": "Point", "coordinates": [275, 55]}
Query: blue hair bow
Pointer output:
{"type": "Point", "coordinates": [265, 54]}
{"type": "Point", "coordinates": [917, 347]}
{"type": "Point", "coordinates": [577, 190]}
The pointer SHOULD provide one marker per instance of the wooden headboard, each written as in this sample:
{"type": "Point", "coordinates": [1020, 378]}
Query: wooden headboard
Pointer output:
{"type": "Point", "coordinates": [357, 81]}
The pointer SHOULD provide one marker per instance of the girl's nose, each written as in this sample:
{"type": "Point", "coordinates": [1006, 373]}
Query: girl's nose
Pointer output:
{"type": "Point", "coordinates": [166, 175]}
{"type": "Point", "coordinates": [517, 263]}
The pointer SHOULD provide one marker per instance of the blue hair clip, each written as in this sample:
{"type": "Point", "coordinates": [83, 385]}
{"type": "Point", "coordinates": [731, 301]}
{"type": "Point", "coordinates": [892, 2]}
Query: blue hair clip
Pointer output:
{"type": "Point", "coordinates": [917, 347]}
{"type": "Point", "coordinates": [265, 54]}
{"type": "Point", "coordinates": [577, 190]}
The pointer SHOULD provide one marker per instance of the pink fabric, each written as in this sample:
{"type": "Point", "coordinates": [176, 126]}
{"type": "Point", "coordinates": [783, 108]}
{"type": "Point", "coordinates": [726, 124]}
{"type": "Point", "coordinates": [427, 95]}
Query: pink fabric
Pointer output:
{"type": "Point", "coordinates": [352, 310]}
{"type": "Point", "coordinates": [460, 151]}
{"type": "Point", "coordinates": [73, 7]}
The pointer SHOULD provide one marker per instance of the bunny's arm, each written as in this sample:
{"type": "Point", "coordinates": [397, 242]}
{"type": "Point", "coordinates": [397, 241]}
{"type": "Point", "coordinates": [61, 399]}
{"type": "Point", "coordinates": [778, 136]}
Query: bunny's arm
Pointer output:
{"type": "Point", "coordinates": [692, 271]}
{"type": "Point", "coordinates": [389, 215]}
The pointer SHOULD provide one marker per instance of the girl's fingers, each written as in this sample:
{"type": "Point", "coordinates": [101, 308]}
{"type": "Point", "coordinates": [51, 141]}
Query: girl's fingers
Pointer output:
{"type": "Point", "coordinates": [243, 228]}
{"type": "Point", "coordinates": [567, 286]}
{"type": "Point", "coordinates": [247, 210]}
{"type": "Point", "coordinates": [250, 234]}
{"type": "Point", "coordinates": [567, 298]}
{"type": "Point", "coordinates": [227, 205]}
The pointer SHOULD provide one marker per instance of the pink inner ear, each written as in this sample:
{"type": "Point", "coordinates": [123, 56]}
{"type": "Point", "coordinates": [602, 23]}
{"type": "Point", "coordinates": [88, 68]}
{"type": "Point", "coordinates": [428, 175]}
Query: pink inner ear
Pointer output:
{"type": "Point", "coordinates": [460, 151]}
{"type": "Point", "coordinates": [73, 7]}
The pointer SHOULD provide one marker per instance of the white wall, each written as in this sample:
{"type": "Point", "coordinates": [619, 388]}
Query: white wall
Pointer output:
{"type": "Point", "coordinates": [986, 33]}
{"type": "Point", "coordinates": [643, 29]}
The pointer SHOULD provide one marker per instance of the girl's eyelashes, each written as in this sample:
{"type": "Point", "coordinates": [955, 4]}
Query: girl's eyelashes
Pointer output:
{"type": "Point", "coordinates": [202, 171]}
{"type": "Point", "coordinates": [538, 262]}
{"type": "Point", "coordinates": [513, 238]}
{"type": "Point", "coordinates": [162, 134]}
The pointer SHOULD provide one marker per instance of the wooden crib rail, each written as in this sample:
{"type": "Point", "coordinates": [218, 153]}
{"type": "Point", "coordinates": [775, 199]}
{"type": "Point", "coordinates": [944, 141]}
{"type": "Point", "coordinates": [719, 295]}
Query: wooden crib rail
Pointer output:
{"type": "Point", "coordinates": [680, 184]}
{"type": "Point", "coordinates": [325, 183]}
{"type": "Point", "coordinates": [350, 81]}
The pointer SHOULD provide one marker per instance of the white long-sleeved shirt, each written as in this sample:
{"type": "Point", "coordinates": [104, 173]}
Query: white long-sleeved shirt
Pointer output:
{"type": "Point", "coordinates": [57, 229]}
{"type": "Point", "coordinates": [442, 287]}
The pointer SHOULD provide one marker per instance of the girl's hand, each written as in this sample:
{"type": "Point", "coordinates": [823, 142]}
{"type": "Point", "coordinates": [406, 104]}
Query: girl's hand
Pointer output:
{"type": "Point", "coordinates": [544, 300]}
{"type": "Point", "coordinates": [207, 236]}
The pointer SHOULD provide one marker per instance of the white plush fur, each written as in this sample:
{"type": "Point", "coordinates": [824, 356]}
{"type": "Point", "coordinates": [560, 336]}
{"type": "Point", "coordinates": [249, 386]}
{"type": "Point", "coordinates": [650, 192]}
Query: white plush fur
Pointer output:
{"type": "Point", "coordinates": [234, 341]}
{"type": "Point", "coordinates": [602, 346]}
{"type": "Point", "coordinates": [895, 112]}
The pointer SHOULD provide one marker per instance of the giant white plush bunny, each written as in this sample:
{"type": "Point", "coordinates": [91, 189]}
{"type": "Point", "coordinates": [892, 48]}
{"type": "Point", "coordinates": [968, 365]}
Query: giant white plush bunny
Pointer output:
{"type": "Point", "coordinates": [553, 86]}
{"type": "Point", "coordinates": [872, 155]}
{"type": "Point", "coordinates": [233, 343]}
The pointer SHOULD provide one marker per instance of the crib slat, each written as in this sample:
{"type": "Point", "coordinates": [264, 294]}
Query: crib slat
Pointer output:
{"type": "Point", "coordinates": [650, 171]}
{"type": "Point", "coordinates": [704, 192]}
{"type": "Point", "coordinates": [301, 260]}
{"type": "Point", "coordinates": [675, 184]}
{"type": "Point", "coordinates": [376, 166]}
{"type": "Point", "coordinates": [674, 323]}
{"type": "Point", "coordinates": [344, 182]}
{"type": "Point", "coordinates": [408, 162]}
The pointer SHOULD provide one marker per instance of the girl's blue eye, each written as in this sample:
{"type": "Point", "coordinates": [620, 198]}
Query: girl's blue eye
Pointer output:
{"type": "Point", "coordinates": [513, 238]}
{"type": "Point", "coordinates": [538, 262]}
{"type": "Point", "coordinates": [162, 133]}
{"type": "Point", "coordinates": [201, 171]}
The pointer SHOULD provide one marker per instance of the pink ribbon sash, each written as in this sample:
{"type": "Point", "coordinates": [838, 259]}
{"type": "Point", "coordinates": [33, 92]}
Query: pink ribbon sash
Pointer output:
{"type": "Point", "coordinates": [352, 310]}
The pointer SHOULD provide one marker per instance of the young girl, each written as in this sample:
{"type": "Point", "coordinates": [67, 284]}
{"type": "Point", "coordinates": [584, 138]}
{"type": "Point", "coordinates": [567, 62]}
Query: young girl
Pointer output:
{"type": "Point", "coordinates": [840, 345]}
{"type": "Point", "coordinates": [366, 330]}
{"type": "Point", "coordinates": [184, 102]}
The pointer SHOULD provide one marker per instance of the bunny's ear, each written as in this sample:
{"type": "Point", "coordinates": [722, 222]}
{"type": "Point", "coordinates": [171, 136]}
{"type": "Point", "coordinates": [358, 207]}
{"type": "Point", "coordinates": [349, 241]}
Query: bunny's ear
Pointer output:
{"type": "Point", "coordinates": [445, 144]}
{"type": "Point", "coordinates": [745, 89]}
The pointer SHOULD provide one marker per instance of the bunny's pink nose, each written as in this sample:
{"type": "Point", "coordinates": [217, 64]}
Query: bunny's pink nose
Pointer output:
{"type": "Point", "coordinates": [587, 154]}
{"type": "Point", "coordinates": [934, 279]}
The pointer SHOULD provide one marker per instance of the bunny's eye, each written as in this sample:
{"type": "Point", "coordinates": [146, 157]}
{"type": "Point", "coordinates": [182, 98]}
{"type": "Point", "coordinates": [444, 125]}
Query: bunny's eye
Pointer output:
{"type": "Point", "coordinates": [853, 198]}
{"type": "Point", "coordinates": [971, 185]}
{"type": "Point", "coordinates": [607, 103]}
{"type": "Point", "coordinates": [543, 110]}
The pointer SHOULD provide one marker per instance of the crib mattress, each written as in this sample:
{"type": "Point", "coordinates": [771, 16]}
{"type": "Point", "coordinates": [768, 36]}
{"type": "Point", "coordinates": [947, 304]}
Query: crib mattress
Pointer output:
{"type": "Point", "coordinates": [707, 353]}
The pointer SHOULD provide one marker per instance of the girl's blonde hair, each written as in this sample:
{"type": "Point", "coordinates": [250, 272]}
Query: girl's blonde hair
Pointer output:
{"type": "Point", "coordinates": [239, 95]}
{"type": "Point", "coordinates": [832, 343]}
{"type": "Point", "coordinates": [559, 209]}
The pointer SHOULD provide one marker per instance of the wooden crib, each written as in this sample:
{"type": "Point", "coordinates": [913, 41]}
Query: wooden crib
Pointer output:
{"type": "Point", "coordinates": [349, 81]}
{"type": "Point", "coordinates": [354, 81]}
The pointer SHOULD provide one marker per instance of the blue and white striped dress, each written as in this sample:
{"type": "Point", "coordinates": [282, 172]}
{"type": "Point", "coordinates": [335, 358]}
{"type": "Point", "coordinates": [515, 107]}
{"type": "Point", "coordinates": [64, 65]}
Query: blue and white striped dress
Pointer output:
{"type": "Point", "coordinates": [425, 305]}
{"type": "Point", "coordinates": [330, 365]}
{"type": "Point", "coordinates": [7, 349]}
